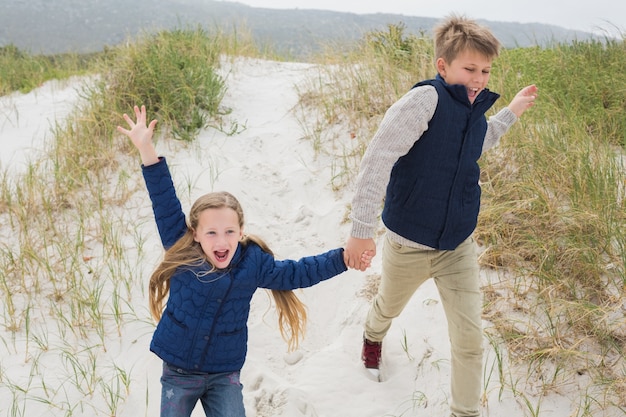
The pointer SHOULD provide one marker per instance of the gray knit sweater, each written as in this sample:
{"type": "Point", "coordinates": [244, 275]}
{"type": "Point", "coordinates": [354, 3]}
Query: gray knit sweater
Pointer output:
{"type": "Point", "coordinates": [403, 124]}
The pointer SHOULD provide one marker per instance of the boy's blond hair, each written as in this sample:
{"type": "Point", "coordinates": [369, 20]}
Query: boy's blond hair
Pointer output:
{"type": "Point", "coordinates": [458, 33]}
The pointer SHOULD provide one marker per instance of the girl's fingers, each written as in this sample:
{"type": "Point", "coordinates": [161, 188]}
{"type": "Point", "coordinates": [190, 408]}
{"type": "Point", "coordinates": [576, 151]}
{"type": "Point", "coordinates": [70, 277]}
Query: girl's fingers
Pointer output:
{"type": "Point", "coordinates": [143, 113]}
{"type": "Point", "coordinates": [128, 120]}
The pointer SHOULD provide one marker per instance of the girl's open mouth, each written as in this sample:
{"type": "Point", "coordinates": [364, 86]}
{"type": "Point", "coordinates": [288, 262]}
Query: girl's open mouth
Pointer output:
{"type": "Point", "coordinates": [221, 256]}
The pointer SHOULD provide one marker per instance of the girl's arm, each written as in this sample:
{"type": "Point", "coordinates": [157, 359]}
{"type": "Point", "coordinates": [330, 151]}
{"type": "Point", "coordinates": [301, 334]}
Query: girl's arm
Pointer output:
{"type": "Point", "coordinates": [291, 274]}
{"type": "Point", "coordinates": [166, 206]}
{"type": "Point", "coordinates": [168, 213]}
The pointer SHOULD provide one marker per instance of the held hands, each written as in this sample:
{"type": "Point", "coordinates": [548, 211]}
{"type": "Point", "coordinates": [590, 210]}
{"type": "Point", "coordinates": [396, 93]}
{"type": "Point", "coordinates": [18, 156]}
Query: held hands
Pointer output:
{"type": "Point", "coordinates": [362, 263]}
{"type": "Point", "coordinates": [358, 253]}
{"type": "Point", "coordinates": [523, 100]}
{"type": "Point", "coordinates": [366, 259]}
{"type": "Point", "coordinates": [141, 135]}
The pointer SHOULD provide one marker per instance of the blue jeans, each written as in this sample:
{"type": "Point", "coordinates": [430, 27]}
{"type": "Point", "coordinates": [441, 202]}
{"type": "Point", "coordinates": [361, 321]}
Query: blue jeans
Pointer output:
{"type": "Point", "coordinates": [220, 394]}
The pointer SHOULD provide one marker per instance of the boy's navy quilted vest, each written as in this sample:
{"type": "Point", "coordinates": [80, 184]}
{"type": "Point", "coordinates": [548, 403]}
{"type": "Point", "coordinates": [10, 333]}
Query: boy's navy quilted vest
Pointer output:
{"type": "Point", "coordinates": [433, 196]}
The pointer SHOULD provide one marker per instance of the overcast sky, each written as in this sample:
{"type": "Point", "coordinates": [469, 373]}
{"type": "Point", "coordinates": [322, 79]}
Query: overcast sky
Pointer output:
{"type": "Point", "coordinates": [605, 16]}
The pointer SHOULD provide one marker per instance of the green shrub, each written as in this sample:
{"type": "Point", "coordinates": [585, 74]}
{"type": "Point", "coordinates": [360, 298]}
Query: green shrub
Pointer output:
{"type": "Point", "coordinates": [173, 73]}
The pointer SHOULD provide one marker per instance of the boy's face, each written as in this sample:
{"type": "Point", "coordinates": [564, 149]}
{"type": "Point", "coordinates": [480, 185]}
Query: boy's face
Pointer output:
{"type": "Point", "coordinates": [470, 68]}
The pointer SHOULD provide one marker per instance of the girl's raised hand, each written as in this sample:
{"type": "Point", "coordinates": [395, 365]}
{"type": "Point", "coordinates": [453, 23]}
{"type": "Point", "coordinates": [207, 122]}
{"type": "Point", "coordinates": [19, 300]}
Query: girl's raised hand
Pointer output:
{"type": "Point", "coordinates": [140, 135]}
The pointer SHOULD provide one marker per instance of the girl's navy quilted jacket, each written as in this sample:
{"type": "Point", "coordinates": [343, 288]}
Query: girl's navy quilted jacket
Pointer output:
{"type": "Point", "coordinates": [204, 324]}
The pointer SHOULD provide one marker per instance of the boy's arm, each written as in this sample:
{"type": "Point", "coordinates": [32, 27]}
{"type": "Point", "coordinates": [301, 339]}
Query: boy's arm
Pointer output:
{"type": "Point", "coordinates": [403, 124]}
{"type": "Point", "coordinates": [497, 126]}
{"type": "Point", "coordinates": [500, 123]}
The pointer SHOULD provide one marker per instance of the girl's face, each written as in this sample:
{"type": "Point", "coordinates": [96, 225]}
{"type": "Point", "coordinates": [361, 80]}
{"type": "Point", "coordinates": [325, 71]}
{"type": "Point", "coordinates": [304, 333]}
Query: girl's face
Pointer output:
{"type": "Point", "coordinates": [470, 68]}
{"type": "Point", "coordinates": [218, 233]}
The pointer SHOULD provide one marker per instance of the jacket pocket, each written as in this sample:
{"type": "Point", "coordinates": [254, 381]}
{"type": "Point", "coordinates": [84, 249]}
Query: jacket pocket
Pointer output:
{"type": "Point", "coordinates": [172, 335]}
{"type": "Point", "coordinates": [233, 345]}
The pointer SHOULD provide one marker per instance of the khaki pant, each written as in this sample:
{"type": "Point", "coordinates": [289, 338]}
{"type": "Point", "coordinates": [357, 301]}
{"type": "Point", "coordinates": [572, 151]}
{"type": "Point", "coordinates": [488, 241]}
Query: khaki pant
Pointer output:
{"type": "Point", "coordinates": [456, 275]}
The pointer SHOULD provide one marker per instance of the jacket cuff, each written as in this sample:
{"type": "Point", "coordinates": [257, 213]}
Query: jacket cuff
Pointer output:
{"type": "Point", "coordinates": [155, 167]}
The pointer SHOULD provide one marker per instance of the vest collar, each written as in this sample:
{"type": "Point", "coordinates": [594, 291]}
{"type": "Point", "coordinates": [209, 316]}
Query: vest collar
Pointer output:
{"type": "Point", "coordinates": [459, 93]}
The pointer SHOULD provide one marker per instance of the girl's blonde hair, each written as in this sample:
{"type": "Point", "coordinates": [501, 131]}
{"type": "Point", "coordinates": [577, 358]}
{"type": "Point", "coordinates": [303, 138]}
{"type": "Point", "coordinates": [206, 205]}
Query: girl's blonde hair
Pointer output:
{"type": "Point", "coordinates": [457, 34]}
{"type": "Point", "coordinates": [187, 252]}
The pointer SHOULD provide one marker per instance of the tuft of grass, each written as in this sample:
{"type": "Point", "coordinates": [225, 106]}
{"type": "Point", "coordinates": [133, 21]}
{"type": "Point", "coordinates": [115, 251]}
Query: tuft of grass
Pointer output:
{"type": "Point", "coordinates": [173, 73]}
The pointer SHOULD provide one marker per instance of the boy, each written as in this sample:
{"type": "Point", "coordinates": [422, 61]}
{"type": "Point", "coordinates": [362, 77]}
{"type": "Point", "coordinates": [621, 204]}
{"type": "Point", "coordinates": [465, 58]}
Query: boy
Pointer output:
{"type": "Point", "coordinates": [423, 161]}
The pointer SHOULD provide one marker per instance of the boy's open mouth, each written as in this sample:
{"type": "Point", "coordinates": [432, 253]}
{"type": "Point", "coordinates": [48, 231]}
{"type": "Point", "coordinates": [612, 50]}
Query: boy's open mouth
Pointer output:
{"type": "Point", "coordinates": [472, 92]}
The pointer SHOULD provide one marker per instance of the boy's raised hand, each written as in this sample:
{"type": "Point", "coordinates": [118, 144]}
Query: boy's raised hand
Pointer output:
{"type": "Point", "coordinates": [523, 100]}
{"type": "Point", "coordinates": [140, 135]}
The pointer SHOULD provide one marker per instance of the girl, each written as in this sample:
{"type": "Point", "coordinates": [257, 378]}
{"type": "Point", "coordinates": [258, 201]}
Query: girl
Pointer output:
{"type": "Point", "coordinates": [209, 273]}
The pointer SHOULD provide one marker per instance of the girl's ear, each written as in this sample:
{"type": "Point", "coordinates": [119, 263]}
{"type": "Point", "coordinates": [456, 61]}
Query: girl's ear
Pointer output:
{"type": "Point", "coordinates": [195, 239]}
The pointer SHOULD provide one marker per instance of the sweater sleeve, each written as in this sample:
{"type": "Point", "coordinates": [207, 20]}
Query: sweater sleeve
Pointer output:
{"type": "Point", "coordinates": [403, 124]}
{"type": "Point", "coordinates": [166, 206]}
{"type": "Point", "coordinates": [497, 126]}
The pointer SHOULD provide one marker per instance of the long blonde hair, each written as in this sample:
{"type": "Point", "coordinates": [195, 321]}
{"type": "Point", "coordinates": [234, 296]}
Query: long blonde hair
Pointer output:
{"type": "Point", "coordinates": [187, 252]}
